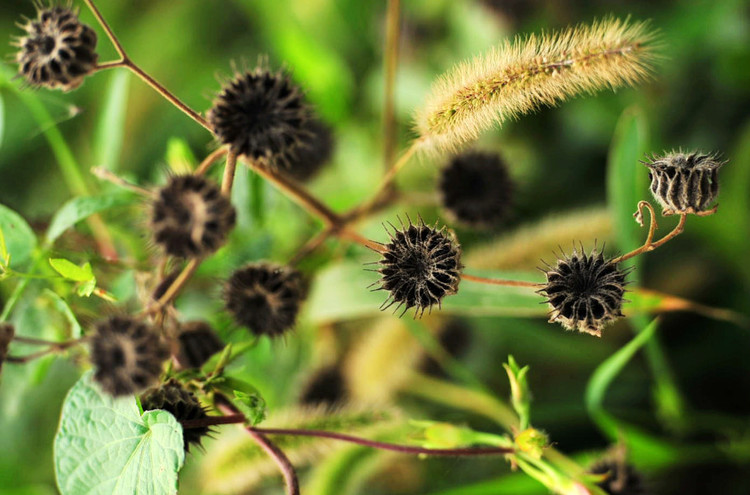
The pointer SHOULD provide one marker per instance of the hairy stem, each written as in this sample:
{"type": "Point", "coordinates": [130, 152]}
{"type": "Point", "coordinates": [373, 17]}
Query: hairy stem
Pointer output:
{"type": "Point", "coordinates": [497, 281]}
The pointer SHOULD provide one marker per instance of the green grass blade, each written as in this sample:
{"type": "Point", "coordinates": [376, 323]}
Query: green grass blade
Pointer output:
{"type": "Point", "coordinates": [110, 130]}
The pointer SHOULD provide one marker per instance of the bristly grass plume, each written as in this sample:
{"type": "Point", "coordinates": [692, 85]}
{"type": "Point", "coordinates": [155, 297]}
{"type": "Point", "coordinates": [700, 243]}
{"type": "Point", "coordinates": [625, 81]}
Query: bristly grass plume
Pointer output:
{"type": "Point", "coordinates": [522, 75]}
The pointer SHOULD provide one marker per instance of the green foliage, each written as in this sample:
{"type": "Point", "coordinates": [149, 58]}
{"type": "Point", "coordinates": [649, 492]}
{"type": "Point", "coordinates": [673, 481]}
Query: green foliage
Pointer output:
{"type": "Point", "coordinates": [106, 446]}
{"type": "Point", "coordinates": [18, 240]}
{"type": "Point", "coordinates": [80, 208]}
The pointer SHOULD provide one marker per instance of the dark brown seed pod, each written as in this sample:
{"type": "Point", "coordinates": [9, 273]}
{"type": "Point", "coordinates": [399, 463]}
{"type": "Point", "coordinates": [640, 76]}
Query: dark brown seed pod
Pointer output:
{"type": "Point", "coordinates": [327, 386]}
{"type": "Point", "coordinates": [182, 404]}
{"type": "Point", "coordinates": [622, 479]}
{"type": "Point", "coordinates": [198, 342]}
{"type": "Point", "coordinates": [684, 182]}
{"type": "Point", "coordinates": [476, 189]}
{"type": "Point", "coordinates": [191, 217]}
{"type": "Point", "coordinates": [420, 266]}
{"type": "Point", "coordinates": [128, 355]}
{"type": "Point", "coordinates": [585, 292]}
{"type": "Point", "coordinates": [265, 297]}
{"type": "Point", "coordinates": [312, 154]}
{"type": "Point", "coordinates": [7, 332]}
{"type": "Point", "coordinates": [58, 51]}
{"type": "Point", "coordinates": [261, 115]}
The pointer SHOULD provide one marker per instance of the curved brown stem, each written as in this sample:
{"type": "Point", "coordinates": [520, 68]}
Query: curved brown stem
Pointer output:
{"type": "Point", "coordinates": [498, 281]}
{"type": "Point", "coordinates": [54, 347]}
{"type": "Point", "coordinates": [179, 282]}
{"type": "Point", "coordinates": [229, 172]}
{"type": "Point", "coordinates": [405, 449]}
{"type": "Point", "coordinates": [650, 245]}
{"type": "Point", "coordinates": [212, 158]}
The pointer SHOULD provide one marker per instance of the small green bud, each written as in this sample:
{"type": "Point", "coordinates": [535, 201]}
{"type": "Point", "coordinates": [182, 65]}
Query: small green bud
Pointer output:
{"type": "Point", "coordinates": [532, 442]}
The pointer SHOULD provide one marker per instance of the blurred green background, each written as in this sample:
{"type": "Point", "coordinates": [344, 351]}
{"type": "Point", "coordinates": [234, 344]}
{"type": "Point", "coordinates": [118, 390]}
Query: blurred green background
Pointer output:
{"type": "Point", "coordinates": [699, 98]}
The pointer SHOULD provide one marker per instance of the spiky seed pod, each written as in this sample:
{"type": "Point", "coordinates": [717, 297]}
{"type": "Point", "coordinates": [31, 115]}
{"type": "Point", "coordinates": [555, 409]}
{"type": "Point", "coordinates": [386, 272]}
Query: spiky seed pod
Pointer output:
{"type": "Point", "coordinates": [420, 266]}
{"type": "Point", "coordinates": [476, 189]}
{"type": "Point", "coordinates": [261, 115]}
{"type": "Point", "coordinates": [622, 479]}
{"type": "Point", "coordinates": [265, 297]}
{"type": "Point", "coordinates": [312, 154]}
{"type": "Point", "coordinates": [128, 355]}
{"type": "Point", "coordinates": [684, 182]}
{"type": "Point", "coordinates": [182, 404]}
{"type": "Point", "coordinates": [191, 217]}
{"type": "Point", "coordinates": [585, 292]}
{"type": "Point", "coordinates": [326, 386]}
{"type": "Point", "coordinates": [58, 51]}
{"type": "Point", "coordinates": [7, 332]}
{"type": "Point", "coordinates": [521, 76]}
{"type": "Point", "coordinates": [198, 342]}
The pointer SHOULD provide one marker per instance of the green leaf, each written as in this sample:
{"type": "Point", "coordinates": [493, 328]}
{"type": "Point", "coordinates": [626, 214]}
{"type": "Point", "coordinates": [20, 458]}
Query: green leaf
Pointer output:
{"type": "Point", "coordinates": [251, 405]}
{"type": "Point", "coordinates": [71, 271]}
{"type": "Point", "coordinates": [105, 446]}
{"type": "Point", "coordinates": [80, 208]}
{"type": "Point", "coordinates": [2, 120]}
{"type": "Point", "coordinates": [111, 127]}
{"type": "Point", "coordinates": [19, 239]}
{"type": "Point", "coordinates": [180, 157]}
{"type": "Point", "coordinates": [340, 292]}
{"type": "Point", "coordinates": [85, 289]}
{"type": "Point", "coordinates": [627, 178]}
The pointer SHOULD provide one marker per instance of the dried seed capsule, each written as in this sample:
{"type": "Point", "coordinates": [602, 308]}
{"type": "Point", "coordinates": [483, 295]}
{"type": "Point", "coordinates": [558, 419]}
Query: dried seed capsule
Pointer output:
{"type": "Point", "coordinates": [58, 51]}
{"type": "Point", "coordinates": [191, 217]}
{"type": "Point", "coordinates": [182, 404]}
{"type": "Point", "coordinates": [476, 189]}
{"type": "Point", "coordinates": [128, 355]}
{"type": "Point", "coordinates": [622, 479]}
{"type": "Point", "coordinates": [684, 182]}
{"type": "Point", "coordinates": [260, 114]}
{"type": "Point", "coordinates": [420, 266]}
{"type": "Point", "coordinates": [7, 332]}
{"type": "Point", "coordinates": [264, 297]}
{"type": "Point", "coordinates": [312, 154]}
{"type": "Point", "coordinates": [584, 292]}
{"type": "Point", "coordinates": [198, 342]}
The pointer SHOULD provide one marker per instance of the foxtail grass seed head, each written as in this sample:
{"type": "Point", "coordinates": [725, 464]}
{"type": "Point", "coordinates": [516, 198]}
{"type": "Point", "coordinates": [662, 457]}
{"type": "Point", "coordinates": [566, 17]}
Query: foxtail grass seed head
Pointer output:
{"type": "Point", "coordinates": [128, 355]}
{"type": "Point", "coordinates": [191, 217]}
{"type": "Point", "coordinates": [585, 292]}
{"type": "Point", "coordinates": [520, 76]}
{"type": "Point", "coordinates": [312, 154]}
{"type": "Point", "coordinates": [265, 297]}
{"type": "Point", "coordinates": [261, 115]}
{"type": "Point", "coordinates": [197, 343]}
{"type": "Point", "coordinates": [58, 51]}
{"type": "Point", "coordinates": [684, 182]}
{"type": "Point", "coordinates": [420, 266]}
{"type": "Point", "coordinates": [7, 332]}
{"type": "Point", "coordinates": [182, 404]}
{"type": "Point", "coordinates": [621, 478]}
{"type": "Point", "coordinates": [476, 189]}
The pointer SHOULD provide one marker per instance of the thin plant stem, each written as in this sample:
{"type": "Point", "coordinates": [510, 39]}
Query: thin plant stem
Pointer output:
{"type": "Point", "coordinates": [498, 281]}
{"type": "Point", "coordinates": [126, 62]}
{"type": "Point", "coordinates": [385, 186]}
{"type": "Point", "coordinates": [392, 39]}
{"type": "Point", "coordinates": [210, 160]}
{"type": "Point", "coordinates": [112, 64]}
{"type": "Point", "coordinates": [107, 175]}
{"type": "Point", "coordinates": [404, 449]}
{"type": "Point", "coordinates": [311, 245]}
{"type": "Point", "coordinates": [174, 289]}
{"type": "Point", "coordinates": [349, 234]}
{"type": "Point", "coordinates": [54, 347]}
{"type": "Point", "coordinates": [229, 419]}
{"type": "Point", "coordinates": [298, 194]}
{"type": "Point", "coordinates": [229, 172]}
{"type": "Point", "coordinates": [650, 245]}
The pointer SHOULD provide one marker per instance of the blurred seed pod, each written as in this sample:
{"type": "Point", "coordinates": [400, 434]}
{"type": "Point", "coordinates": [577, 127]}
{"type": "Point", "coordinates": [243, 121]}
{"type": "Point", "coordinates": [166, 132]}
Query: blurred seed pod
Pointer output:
{"type": "Point", "coordinates": [264, 297]}
{"type": "Point", "coordinates": [58, 51]}
{"type": "Point", "coordinates": [476, 189]}
{"type": "Point", "coordinates": [128, 355]}
{"type": "Point", "coordinates": [621, 478]}
{"type": "Point", "coordinates": [313, 153]}
{"type": "Point", "coordinates": [684, 182]}
{"type": "Point", "coordinates": [260, 114]}
{"type": "Point", "coordinates": [191, 217]}
{"type": "Point", "coordinates": [197, 343]}
{"type": "Point", "coordinates": [325, 387]}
